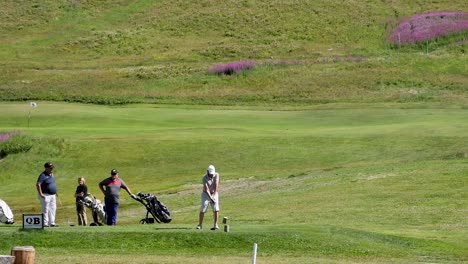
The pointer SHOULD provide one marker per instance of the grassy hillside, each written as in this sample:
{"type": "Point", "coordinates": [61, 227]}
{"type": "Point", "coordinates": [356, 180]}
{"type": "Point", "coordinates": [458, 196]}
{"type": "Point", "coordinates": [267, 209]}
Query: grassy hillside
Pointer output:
{"type": "Point", "coordinates": [307, 52]}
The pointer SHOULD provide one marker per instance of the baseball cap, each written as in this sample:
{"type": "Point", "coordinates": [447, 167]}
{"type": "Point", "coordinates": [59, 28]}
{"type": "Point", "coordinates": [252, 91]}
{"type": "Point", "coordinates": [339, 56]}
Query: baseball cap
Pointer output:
{"type": "Point", "coordinates": [211, 169]}
{"type": "Point", "coordinates": [114, 172]}
{"type": "Point", "coordinates": [48, 165]}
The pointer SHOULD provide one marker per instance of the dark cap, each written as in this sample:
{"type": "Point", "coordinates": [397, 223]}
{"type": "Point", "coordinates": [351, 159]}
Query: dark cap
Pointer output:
{"type": "Point", "coordinates": [114, 172]}
{"type": "Point", "coordinates": [48, 165]}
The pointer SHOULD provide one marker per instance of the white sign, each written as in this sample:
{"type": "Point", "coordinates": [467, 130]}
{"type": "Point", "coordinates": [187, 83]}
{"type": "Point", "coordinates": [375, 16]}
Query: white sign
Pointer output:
{"type": "Point", "coordinates": [33, 221]}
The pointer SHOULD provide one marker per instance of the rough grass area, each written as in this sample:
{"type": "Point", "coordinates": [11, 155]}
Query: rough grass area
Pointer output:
{"type": "Point", "coordinates": [119, 52]}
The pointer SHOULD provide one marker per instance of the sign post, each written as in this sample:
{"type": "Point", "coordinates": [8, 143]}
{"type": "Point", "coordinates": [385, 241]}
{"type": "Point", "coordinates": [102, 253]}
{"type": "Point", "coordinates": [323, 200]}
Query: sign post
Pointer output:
{"type": "Point", "coordinates": [33, 221]}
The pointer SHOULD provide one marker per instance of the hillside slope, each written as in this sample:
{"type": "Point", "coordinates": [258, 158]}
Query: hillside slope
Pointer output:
{"type": "Point", "coordinates": [158, 52]}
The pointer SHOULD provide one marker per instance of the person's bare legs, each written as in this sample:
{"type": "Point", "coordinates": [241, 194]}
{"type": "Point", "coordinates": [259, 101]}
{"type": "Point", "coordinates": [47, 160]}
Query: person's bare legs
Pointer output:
{"type": "Point", "coordinates": [216, 216]}
{"type": "Point", "coordinates": [200, 220]}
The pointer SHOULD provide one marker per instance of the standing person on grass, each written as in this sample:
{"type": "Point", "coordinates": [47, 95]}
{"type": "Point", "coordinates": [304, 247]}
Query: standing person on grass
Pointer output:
{"type": "Point", "coordinates": [113, 185]}
{"type": "Point", "coordinates": [209, 196]}
{"type": "Point", "coordinates": [80, 193]}
{"type": "Point", "coordinates": [47, 191]}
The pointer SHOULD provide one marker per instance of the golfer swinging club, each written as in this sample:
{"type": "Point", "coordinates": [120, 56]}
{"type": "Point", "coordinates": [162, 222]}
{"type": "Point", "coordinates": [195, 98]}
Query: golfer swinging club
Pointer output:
{"type": "Point", "coordinates": [210, 196]}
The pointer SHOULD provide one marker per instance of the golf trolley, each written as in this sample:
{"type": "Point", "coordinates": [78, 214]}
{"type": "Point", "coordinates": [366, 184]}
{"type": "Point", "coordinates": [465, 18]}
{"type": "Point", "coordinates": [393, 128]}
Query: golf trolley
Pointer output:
{"type": "Point", "coordinates": [153, 206]}
{"type": "Point", "coordinates": [97, 209]}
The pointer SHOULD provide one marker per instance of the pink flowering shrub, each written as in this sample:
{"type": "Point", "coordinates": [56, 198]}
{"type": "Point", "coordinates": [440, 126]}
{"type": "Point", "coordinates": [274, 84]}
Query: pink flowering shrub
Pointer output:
{"type": "Point", "coordinates": [6, 136]}
{"type": "Point", "coordinates": [13, 142]}
{"type": "Point", "coordinates": [428, 26]}
{"type": "Point", "coordinates": [232, 68]}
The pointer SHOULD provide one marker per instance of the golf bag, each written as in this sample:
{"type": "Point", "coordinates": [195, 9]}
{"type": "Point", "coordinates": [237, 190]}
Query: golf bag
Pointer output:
{"type": "Point", "coordinates": [153, 206]}
{"type": "Point", "coordinates": [6, 215]}
{"type": "Point", "coordinates": [97, 209]}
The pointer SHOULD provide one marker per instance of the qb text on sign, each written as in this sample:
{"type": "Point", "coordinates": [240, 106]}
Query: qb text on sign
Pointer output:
{"type": "Point", "coordinates": [33, 221]}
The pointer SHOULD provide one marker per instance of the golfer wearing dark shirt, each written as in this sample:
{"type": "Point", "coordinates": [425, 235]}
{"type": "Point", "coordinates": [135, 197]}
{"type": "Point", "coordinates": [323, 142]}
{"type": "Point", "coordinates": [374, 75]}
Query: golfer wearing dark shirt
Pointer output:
{"type": "Point", "coordinates": [111, 191]}
{"type": "Point", "coordinates": [80, 193]}
{"type": "Point", "coordinates": [47, 190]}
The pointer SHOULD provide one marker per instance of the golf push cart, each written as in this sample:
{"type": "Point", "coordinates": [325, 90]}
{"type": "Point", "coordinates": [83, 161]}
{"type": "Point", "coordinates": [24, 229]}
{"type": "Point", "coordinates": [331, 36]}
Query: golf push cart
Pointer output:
{"type": "Point", "coordinates": [159, 212]}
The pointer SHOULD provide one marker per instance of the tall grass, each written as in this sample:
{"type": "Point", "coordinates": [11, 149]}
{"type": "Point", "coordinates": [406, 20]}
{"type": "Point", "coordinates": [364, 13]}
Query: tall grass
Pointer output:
{"type": "Point", "coordinates": [159, 52]}
{"type": "Point", "coordinates": [13, 142]}
{"type": "Point", "coordinates": [5, 136]}
{"type": "Point", "coordinates": [232, 68]}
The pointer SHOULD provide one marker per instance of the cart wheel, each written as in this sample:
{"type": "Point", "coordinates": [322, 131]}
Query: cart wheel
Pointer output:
{"type": "Point", "coordinates": [143, 221]}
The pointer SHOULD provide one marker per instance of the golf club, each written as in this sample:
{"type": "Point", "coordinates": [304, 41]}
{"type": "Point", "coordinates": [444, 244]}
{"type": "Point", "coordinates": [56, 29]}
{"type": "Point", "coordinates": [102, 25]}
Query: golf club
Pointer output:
{"type": "Point", "coordinates": [63, 210]}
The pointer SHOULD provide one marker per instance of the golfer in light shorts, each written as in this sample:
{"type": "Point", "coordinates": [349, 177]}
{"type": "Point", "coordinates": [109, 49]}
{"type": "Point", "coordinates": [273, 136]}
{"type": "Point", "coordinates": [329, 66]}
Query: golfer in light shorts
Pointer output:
{"type": "Point", "coordinates": [209, 196]}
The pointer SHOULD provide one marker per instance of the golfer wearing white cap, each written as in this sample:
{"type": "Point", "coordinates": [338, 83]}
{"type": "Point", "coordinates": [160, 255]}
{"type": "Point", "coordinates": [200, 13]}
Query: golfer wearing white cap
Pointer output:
{"type": "Point", "coordinates": [209, 196]}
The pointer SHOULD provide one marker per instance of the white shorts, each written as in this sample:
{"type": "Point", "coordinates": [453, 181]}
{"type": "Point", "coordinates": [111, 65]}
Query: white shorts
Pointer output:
{"type": "Point", "coordinates": [205, 201]}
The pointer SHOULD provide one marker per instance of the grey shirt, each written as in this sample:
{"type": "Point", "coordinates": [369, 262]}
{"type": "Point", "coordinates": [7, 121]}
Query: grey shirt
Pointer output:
{"type": "Point", "coordinates": [113, 189]}
{"type": "Point", "coordinates": [210, 182]}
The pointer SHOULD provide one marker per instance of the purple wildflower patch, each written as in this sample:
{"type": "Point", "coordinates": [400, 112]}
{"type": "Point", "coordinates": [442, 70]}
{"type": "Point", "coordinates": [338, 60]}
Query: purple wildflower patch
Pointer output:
{"type": "Point", "coordinates": [429, 26]}
{"type": "Point", "coordinates": [6, 136]}
{"type": "Point", "coordinates": [232, 68]}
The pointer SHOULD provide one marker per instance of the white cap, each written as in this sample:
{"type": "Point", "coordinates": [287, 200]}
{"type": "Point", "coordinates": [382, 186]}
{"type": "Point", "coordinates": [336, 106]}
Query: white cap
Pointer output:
{"type": "Point", "coordinates": [211, 169]}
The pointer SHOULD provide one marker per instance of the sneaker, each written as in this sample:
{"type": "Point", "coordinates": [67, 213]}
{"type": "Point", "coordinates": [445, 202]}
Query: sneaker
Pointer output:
{"type": "Point", "coordinates": [53, 225]}
{"type": "Point", "coordinates": [199, 226]}
{"type": "Point", "coordinates": [215, 227]}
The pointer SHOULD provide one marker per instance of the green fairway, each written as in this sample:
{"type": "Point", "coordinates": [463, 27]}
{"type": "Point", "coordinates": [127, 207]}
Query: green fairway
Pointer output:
{"type": "Point", "coordinates": [370, 184]}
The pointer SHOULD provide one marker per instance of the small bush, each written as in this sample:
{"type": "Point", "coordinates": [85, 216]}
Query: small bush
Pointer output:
{"type": "Point", "coordinates": [14, 142]}
{"type": "Point", "coordinates": [232, 68]}
{"type": "Point", "coordinates": [7, 136]}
